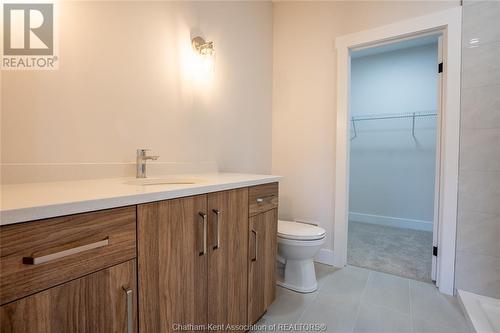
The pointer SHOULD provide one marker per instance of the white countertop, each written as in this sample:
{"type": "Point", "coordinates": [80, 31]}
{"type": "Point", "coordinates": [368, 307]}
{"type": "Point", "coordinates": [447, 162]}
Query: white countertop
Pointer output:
{"type": "Point", "coordinates": [34, 201]}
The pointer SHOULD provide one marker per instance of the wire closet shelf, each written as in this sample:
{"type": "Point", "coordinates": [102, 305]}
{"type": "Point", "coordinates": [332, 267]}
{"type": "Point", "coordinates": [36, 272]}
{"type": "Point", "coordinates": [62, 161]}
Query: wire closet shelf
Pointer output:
{"type": "Point", "coordinates": [411, 115]}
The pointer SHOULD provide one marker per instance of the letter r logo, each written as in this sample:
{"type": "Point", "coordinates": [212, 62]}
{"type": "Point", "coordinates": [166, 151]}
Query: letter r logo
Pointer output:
{"type": "Point", "coordinates": [28, 29]}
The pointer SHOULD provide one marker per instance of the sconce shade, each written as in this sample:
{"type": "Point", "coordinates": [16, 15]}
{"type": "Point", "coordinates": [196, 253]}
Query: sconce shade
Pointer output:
{"type": "Point", "coordinates": [203, 47]}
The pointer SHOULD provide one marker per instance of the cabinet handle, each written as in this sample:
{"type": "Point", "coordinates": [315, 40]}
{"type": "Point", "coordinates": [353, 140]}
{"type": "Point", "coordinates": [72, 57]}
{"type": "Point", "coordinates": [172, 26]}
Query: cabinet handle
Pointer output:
{"type": "Point", "coordinates": [58, 255]}
{"type": "Point", "coordinates": [256, 245]}
{"type": "Point", "coordinates": [217, 215]}
{"type": "Point", "coordinates": [204, 221]}
{"type": "Point", "coordinates": [262, 199]}
{"type": "Point", "coordinates": [128, 293]}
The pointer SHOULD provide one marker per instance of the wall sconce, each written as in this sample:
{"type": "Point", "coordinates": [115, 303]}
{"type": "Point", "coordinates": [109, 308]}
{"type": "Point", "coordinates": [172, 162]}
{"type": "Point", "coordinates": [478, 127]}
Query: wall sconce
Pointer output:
{"type": "Point", "coordinates": [202, 47]}
{"type": "Point", "coordinates": [205, 51]}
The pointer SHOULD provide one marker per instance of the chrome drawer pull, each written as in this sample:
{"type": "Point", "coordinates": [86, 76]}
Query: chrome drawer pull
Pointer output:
{"type": "Point", "coordinates": [217, 216]}
{"type": "Point", "coordinates": [204, 221]}
{"type": "Point", "coordinates": [128, 293]}
{"type": "Point", "coordinates": [261, 199]}
{"type": "Point", "coordinates": [65, 253]}
{"type": "Point", "coordinates": [256, 245]}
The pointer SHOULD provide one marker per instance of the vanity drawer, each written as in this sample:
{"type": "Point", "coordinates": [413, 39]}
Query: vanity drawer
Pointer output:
{"type": "Point", "coordinates": [38, 255]}
{"type": "Point", "coordinates": [262, 198]}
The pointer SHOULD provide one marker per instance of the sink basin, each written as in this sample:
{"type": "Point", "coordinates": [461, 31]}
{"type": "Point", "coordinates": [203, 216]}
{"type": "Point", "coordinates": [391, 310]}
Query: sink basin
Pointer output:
{"type": "Point", "coordinates": [161, 181]}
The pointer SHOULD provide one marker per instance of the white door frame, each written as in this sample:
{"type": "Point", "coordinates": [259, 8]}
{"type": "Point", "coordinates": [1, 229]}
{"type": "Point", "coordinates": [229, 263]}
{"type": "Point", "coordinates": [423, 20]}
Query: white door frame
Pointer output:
{"type": "Point", "coordinates": [449, 23]}
{"type": "Point", "coordinates": [437, 183]}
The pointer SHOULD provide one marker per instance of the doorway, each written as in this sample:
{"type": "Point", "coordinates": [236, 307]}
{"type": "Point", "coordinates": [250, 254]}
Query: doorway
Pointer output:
{"type": "Point", "coordinates": [393, 112]}
{"type": "Point", "coordinates": [448, 23]}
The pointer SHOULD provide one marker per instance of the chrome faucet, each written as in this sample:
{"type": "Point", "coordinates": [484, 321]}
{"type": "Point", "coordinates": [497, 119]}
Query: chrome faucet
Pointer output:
{"type": "Point", "coordinates": [141, 162]}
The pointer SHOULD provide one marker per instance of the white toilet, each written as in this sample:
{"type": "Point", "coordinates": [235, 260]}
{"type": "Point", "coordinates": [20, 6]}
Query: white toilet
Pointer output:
{"type": "Point", "coordinates": [298, 243]}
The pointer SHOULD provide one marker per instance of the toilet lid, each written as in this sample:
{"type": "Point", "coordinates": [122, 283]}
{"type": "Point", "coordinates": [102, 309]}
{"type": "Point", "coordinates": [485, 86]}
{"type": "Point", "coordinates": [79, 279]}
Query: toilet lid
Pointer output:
{"type": "Point", "coordinates": [299, 231]}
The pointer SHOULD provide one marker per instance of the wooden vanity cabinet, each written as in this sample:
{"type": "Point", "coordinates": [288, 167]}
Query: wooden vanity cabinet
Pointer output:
{"type": "Point", "coordinates": [156, 267]}
{"type": "Point", "coordinates": [193, 262]}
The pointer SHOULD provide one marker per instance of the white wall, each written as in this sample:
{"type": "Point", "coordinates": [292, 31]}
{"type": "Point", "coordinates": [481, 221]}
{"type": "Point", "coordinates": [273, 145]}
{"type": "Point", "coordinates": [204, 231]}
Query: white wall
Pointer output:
{"type": "Point", "coordinates": [304, 85]}
{"type": "Point", "coordinates": [124, 83]}
{"type": "Point", "coordinates": [392, 173]}
{"type": "Point", "coordinates": [396, 81]}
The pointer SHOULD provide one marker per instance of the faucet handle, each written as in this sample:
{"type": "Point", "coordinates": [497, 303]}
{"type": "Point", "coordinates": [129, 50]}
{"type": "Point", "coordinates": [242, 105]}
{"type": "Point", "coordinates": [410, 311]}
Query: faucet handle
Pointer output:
{"type": "Point", "coordinates": [141, 154]}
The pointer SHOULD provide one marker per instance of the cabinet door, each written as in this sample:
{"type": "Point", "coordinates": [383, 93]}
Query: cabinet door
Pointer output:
{"type": "Point", "coordinates": [172, 264]}
{"type": "Point", "coordinates": [262, 263]}
{"type": "Point", "coordinates": [105, 301]}
{"type": "Point", "coordinates": [227, 260]}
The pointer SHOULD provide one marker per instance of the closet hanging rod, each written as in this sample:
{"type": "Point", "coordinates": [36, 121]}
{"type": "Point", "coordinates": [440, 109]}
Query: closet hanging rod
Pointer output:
{"type": "Point", "coordinates": [395, 116]}
{"type": "Point", "coordinates": [412, 115]}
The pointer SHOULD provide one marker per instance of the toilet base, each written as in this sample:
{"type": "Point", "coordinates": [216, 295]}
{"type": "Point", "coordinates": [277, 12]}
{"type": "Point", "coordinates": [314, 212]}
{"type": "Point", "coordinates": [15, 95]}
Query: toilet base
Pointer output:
{"type": "Point", "coordinates": [299, 276]}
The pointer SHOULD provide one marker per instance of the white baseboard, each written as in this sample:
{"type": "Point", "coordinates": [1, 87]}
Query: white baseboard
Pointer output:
{"type": "Point", "coordinates": [391, 221]}
{"type": "Point", "coordinates": [324, 256]}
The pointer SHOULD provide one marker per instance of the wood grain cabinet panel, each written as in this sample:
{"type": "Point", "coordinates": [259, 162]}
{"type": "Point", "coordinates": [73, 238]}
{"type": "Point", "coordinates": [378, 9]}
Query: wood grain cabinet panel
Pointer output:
{"type": "Point", "coordinates": [38, 255]}
{"type": "Point", "coordinates": [178, 283]}
{"type": "Point", "coordinates": [270, 219]}
{"type": "Point", "coordinates": [227, 260]}
{"type": "Point", "coordinates": [172, 266]}
{"type": "Point", "coordinates": [262, 198]}
{"type": "Point", "coordinates": [95, 303]}
{"type": "Point", "coordinates": [262, 263]}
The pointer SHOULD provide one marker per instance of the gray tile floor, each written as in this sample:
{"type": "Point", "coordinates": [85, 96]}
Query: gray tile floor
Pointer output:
{"type": "Point", "coordinates": [403, 252]}
{"type": "Point", "coordinates": [360, 300]}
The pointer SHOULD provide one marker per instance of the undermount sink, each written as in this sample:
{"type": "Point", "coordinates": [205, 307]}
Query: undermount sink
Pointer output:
{"type": "Point", "coordinates": [161, 181]}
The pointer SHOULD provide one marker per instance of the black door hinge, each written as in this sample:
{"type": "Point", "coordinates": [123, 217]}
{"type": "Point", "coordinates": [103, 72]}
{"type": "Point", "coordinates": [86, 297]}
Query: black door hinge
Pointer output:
{"type": "Point", "coordinates": [435, 251]}
{"type": "Point", "coordinates": [440, 67]}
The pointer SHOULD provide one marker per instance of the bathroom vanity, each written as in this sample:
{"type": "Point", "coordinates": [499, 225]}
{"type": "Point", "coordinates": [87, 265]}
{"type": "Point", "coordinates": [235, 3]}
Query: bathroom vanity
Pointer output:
{"type": "Point", "coordinates": [178, 256]}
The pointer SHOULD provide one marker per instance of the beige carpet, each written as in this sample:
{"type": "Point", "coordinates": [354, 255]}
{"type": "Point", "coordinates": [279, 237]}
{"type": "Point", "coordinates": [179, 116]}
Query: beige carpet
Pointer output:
{"type": "Point", "coordinates": [403, 252]}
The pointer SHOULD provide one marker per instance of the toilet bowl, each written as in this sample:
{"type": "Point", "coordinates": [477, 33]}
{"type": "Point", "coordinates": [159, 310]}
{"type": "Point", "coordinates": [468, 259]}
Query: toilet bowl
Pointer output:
{"type": "Point", "coordinates": [298, 243]}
